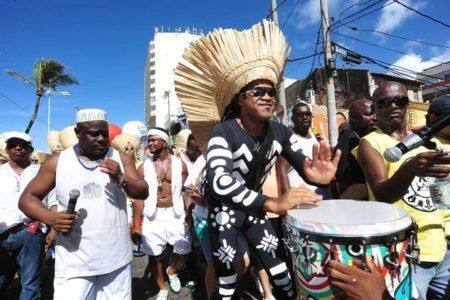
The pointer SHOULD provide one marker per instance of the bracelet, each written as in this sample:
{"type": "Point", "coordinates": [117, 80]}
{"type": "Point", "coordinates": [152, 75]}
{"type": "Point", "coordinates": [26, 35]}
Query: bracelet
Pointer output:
{"type": "Point", "coordinates": [123, 180]}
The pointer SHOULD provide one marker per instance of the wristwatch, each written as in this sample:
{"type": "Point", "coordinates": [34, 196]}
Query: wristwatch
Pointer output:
{"type": "Point", "coordinates": [123, 180]}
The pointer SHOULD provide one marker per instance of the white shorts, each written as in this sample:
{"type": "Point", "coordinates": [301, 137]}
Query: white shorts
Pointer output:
{"type": "Point", "coordinates": [165, 228]}
{"type": "Point", "coordinates": [114, 285]}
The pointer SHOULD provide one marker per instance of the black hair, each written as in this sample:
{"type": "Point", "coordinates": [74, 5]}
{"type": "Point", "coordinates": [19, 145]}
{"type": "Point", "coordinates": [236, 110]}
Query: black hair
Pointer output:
{"type": "Point", "coordinates": [190, 138]}
{"type": "Point", "coordinates": [301, 103]}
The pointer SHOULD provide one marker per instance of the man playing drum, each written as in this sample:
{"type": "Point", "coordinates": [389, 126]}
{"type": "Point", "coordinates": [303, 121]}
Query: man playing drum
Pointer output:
{"type": "Point", "coordinates": [237, 81]}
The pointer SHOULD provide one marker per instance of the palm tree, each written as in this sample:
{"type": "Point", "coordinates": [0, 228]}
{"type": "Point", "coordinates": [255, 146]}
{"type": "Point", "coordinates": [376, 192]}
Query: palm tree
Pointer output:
{"type": "Point", "coordinates": [48, 74]}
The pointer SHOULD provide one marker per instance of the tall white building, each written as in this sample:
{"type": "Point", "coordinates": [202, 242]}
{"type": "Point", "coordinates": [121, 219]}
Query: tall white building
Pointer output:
{"type": "Point", "coordinates": [164, 53]}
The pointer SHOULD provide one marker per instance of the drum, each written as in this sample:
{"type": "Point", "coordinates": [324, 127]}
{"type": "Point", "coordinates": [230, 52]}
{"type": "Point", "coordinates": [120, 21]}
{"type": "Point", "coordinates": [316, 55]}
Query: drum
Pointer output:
{"type": "Point", "coordinates": [348, 229]}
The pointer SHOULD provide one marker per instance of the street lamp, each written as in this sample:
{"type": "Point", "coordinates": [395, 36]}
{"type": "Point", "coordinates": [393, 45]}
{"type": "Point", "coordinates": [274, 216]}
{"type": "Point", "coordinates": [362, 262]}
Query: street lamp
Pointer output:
{"type": "Point", "coordinates": [49, 94]}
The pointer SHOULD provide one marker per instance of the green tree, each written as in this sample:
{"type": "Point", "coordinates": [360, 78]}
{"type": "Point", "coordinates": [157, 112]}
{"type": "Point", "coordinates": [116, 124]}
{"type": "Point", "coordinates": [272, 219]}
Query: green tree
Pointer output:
{"type": "Point", "coordinates": [48, 74]}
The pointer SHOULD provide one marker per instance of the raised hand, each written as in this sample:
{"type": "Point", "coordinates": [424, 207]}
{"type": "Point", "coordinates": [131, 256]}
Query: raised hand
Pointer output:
{"type": "Point", "coordinates": [323, 166]}
{"type": "Point", "coordinates": [112, 168]}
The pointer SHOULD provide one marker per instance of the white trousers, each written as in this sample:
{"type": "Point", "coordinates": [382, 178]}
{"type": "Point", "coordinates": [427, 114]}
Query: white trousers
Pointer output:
{"type": "Point", "coordinates": [111, 286]}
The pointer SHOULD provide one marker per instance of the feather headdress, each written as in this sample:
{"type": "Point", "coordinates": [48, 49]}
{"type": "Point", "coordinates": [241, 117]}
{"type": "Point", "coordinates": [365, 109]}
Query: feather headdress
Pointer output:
{"type": "Point", "coordinates": [219, 65]}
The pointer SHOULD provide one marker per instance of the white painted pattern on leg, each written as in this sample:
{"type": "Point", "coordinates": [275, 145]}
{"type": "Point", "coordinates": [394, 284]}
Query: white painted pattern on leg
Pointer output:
{"type": "Point", "coordinates": [228, 279]}
{"type": "Point", "coordinates": [278, 269]}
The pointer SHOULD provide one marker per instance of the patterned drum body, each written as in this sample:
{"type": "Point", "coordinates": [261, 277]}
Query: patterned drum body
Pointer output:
{"type": "Point", "coordinates": [344, 230]}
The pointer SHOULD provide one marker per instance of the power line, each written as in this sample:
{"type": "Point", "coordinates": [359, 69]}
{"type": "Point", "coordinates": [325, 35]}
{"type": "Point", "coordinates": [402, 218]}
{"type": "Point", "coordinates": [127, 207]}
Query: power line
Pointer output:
{"type": "Point", "coordinates": [389, 65]}
{"type": "Point", "coordinates": [357, 12]}
{"type": "Point", "coordinates": [295, 6]}
{"type": "Point", "coordinates": [276, 8]}
{"type": "Point", "coordinates": [305, 57]}
{"type": "Point", "coordinates": [315, 49]}
{"type": "Point", "coordinates": [354, 28]}
{"type": "Point", "coordinates": [340, 23]}
{"type": "Point", "coordinates": [382, 47]}
{"type": "Point", "coordinates": [23, 108]}
{"type": "Point", "coordinates": [422, 14]}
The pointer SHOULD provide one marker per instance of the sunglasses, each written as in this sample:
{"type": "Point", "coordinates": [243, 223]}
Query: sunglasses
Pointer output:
{"type": "Point", "coordinates": [386, 102]}
{"type": "Point", "coordinates": [14, 144]}
{"type": "Point", "coordinates": [261, 91]}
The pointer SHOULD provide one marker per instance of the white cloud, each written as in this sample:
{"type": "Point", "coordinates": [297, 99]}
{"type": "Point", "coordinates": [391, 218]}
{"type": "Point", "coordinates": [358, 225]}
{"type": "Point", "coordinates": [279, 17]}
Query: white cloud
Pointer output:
{"type": "Point", "coordinates": [309, 13]}
{"type": "Point", "coordinates": [394, 15]}
{"type": "Point", "coordinates": [417, 63]}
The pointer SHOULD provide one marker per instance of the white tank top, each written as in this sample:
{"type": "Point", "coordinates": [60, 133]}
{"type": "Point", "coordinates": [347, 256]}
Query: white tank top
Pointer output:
{"type": "Point", "coordinates": [100, 240]}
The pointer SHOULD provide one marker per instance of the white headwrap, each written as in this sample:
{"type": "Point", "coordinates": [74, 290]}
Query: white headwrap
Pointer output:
{"type": "Point", "coordinates": [159, 134]}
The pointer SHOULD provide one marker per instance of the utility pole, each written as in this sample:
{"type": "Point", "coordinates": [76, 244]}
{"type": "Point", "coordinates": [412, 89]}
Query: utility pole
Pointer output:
{"type": "Point", "coordinates": [282, 93]}
{"type": "Point", "coordinates": [329, 68]}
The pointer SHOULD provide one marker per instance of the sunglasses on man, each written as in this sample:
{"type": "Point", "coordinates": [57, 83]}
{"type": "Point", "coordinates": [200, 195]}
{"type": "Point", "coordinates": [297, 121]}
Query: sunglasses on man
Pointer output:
{"type": "Point", "coordinates": [261, 91]}
{"type": "Point", "coordinates": [17, 143]}
{"type": "Point", "coordinates": [400, 102]}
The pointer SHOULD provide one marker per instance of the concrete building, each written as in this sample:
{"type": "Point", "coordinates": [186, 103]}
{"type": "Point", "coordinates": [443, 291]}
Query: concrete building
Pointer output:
{"type": "Point", "coordinates": [437, 80]}
{"type": "Point", "coordinates": [350, 84]}
{"type": "Point", "coordinates": [164, 53]}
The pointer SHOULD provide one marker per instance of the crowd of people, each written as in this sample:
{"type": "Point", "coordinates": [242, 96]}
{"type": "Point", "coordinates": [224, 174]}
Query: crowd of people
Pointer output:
{"type": "Point", "coordinates": [229, 191]}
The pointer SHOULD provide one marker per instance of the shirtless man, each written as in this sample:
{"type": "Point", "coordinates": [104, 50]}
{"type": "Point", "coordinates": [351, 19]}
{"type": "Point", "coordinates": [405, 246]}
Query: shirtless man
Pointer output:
{"type": "Point", "coordinates": [163, 210]}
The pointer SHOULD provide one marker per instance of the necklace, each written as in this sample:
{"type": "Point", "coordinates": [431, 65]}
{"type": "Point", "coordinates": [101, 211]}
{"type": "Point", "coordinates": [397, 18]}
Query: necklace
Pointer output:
{"type": "Point", "coordinates": [256, 139]}
{"type": "Point", "coordinates": [88, 165]}
{"type": "Point", "coordinates": [161, 179]}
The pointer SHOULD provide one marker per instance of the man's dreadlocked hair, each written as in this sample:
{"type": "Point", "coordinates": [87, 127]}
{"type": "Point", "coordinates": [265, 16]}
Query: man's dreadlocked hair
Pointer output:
{"type": "Point", "coordinates": [233, 110]}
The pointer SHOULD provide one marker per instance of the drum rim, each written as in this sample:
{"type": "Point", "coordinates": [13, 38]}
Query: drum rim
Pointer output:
{"type": "Point", "coordinates": [353, 230]}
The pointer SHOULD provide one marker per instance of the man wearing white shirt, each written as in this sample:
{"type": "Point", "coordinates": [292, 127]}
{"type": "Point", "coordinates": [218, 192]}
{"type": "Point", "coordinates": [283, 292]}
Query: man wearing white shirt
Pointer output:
{"type": "Point", "coordinates": [20, 238]}
{"type": "Point", "coordinates": [304, 140]}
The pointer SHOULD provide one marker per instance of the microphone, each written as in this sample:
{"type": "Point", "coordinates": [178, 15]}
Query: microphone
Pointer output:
{"type": "Point", "coordinates": [73, 197]}
{"type": "Point", "coordinates": [415, 140]}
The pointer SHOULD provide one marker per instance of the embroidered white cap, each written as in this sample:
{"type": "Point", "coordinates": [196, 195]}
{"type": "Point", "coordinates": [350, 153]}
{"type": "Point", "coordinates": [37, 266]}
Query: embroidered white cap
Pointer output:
{"type": "Point", "coordinates": [17, 135]}
{"type": "Point", "coordinates": [91, 114]}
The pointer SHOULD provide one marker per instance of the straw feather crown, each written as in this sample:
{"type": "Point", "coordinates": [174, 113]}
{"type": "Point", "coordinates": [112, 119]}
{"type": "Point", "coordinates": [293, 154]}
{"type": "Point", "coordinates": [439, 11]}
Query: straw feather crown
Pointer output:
{"type": "Point", "coordinates": [219, 65]}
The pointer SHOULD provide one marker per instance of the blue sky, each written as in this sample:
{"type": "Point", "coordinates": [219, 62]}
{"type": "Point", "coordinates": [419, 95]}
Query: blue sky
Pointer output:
{"type": "Point", "coordinates": [104, 44]}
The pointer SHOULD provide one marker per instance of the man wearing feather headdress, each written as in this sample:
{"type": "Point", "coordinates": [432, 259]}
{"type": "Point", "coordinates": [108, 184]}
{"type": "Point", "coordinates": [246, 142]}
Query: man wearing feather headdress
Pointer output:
{"type": "Point", "coordinates": [231, 77]}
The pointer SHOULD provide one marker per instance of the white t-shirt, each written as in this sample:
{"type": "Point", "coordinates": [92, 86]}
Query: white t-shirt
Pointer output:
{"type": "Point", "coordinates": [198, 167]}
{"type": "Point", "coordinates": [11, 187]}
{"type": "Point", "coordinates": [100, 240]}
{"type": "Point", "coordinates": [295, 180]}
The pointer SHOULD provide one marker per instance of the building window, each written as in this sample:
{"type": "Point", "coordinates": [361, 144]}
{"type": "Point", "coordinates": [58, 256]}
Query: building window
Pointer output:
{"type": "Point", "coordinates": [447, 76]}
{"type": "Point", "coordinates": [415, 96]}
{"type": "Point", "coordinates": [152, 63]}
{"type": "Point", "coordinates": [152, 72]}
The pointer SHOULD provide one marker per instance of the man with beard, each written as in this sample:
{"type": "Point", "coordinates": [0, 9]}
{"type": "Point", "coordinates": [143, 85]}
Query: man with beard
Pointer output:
{"type": "Point", "coordinates": [290, 178]}
{"type": "Point", "coordinates": [404, 183]}
{"type": "Point", "coordinates": [20, 239]}
{"type": "Point", "coordinates": [350, 179]}
{"type": "Point", "coordinates": [93, 248]}
{"type": "Point", "coordinates": [164, 211]}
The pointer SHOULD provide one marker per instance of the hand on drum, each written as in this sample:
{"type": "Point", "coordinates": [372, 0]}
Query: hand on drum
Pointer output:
{"type": "Point", "coordinates": [323, 166]}
{"type": "Point", "coordinates": [357, 283]}
{"type": "Point", "coordinates": [291, 199]}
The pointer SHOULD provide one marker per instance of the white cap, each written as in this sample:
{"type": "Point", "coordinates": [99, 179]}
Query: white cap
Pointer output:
{"type": "Point", "coordinates": [18, 135]}
{"type": "Point", "coordinates": [91, 114]}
